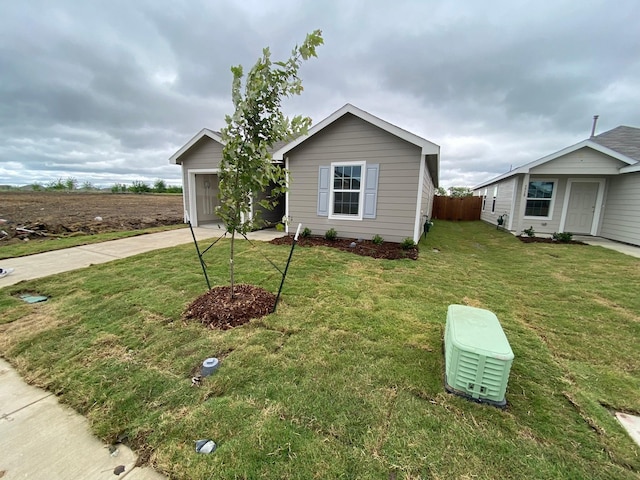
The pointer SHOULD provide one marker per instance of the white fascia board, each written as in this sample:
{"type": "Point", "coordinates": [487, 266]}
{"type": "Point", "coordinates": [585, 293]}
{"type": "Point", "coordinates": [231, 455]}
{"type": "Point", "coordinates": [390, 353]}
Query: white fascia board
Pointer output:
{"type": "Point", "coordinates": [205, 132]}
{"type": "Point", "coordinates": [631, 168]}
{"type": "Point", "coordinates": [526, 168]}
{"type": "Point", "coordinates": [427, 147]}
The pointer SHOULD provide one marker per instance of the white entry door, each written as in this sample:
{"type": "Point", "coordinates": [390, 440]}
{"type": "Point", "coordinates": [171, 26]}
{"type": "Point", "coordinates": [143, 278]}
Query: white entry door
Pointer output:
{"type": "Point", "coordinates": [581, 207]}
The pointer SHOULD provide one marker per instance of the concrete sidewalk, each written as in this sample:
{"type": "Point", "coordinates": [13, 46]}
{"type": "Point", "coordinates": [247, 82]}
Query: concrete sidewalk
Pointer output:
{"type": "Point", "coordinates": [625, 248]}
{"type": "Point", "coordinates": [58, 261]}
{"type": "Point", "coordinates": [39, 437]}
{"type": "Point", "coordinates": [42, 439]}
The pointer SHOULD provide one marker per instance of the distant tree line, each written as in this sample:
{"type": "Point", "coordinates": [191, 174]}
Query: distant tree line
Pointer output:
{"type": "Point", "coordinates": [454, 192]}
{"type": "Point", "coordinates": [137, 186]}
{"type": "Point", "coordinates": [159, 186]}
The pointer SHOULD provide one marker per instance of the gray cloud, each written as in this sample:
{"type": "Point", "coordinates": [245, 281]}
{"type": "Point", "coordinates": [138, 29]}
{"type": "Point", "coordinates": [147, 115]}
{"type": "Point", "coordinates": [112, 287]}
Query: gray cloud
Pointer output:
{"type": "Point", "coordinates": [106, 92]}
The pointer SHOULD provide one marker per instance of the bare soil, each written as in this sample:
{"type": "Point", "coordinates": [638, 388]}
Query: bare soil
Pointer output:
{"type": "Point", "coordinates": [386, 250]}
{"type": "Point", "coordinates": [46, 215]}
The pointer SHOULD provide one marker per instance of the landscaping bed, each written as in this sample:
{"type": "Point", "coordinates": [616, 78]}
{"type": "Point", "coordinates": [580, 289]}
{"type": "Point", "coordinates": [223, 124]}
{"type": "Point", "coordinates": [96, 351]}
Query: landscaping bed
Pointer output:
{"type": "Point", "coordinates": [386, 250]}
{"type": "Point", "coordinates": [216, 308]}
{"type": "Point", "coordinates": [548, 240]}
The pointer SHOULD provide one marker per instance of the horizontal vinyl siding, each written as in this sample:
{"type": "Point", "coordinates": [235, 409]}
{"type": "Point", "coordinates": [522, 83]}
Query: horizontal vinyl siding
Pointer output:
{"type": "Point", "coordinates": [352, 139]}
{"type": "Point", "coordinates": [581, 162]}
{"type": "Point", "coordinates": [621, 219]}
{"type": "Point", "coordinates": [503, 200]}
{"type": "Point", "coordinates": [428, 191]}
{"type": "Point", "coordinates": [205, 154]}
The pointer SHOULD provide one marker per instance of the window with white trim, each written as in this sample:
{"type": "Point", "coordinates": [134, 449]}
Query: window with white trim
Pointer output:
{"type": "Point", "coordinates": [495, 195]}
{"type": "Point", "coordinates": [346, 191]}
{"type": "Point", "coordinates": [484, 199]}
{"type": "Point", "coordinates": [539, 198]}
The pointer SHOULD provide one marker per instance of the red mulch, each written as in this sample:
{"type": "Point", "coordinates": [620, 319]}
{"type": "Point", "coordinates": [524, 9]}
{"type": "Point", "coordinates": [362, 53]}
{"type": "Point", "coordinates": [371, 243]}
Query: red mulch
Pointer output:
{"type": "Point", "coordinates": [216, 309]}
{"type": "Point", "coordinates": [548, 240]}
{"type": "Point", "coordinates": [366, 248]}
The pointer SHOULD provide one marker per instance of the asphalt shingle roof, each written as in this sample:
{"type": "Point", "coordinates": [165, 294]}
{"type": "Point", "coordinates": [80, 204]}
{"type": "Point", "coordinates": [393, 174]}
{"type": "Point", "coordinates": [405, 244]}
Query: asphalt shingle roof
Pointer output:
{"type": "Point", "coordinates": [625, 140]}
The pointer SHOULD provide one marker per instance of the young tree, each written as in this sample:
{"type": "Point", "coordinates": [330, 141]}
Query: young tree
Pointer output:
{"type": "Point", "coordinates": [255, 126]}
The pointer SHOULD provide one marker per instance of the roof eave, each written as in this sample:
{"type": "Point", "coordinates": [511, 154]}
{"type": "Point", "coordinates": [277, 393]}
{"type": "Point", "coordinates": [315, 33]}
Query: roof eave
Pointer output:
{"type": "Point", "coordinates": [426, 147]}
{"type": "Point", "coordinates": [631, 168]}
{"type": "Point", "coordinates": [205, 132]}
{"type": "Point", "coordinates": [585, 143]}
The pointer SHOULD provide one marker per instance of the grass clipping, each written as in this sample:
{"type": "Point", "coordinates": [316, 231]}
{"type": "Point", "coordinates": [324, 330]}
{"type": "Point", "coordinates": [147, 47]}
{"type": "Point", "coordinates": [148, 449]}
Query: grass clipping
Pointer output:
{"type": "Point", "coordinates": [216, 309]}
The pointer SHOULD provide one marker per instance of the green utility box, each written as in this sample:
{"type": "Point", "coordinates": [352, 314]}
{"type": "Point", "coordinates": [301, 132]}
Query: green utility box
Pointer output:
{"type": "Point", "coordinates": [478, 356]}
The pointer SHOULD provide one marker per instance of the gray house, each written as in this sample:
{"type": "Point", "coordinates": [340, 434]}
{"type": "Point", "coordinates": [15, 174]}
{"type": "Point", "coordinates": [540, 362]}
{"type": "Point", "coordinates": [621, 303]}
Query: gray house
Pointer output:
{"type": "Point", "coordinates": [353, 172]}
{"type": "Point", "coordinates": [590, 188]}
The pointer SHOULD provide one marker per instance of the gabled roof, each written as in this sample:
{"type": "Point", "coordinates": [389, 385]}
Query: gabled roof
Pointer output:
{"type": "Point", "coordinates": [205, 132]}
{"type": "Point", "coordinates": [616, 140]}
{"type": "Point", "coordinates": [427, 147]}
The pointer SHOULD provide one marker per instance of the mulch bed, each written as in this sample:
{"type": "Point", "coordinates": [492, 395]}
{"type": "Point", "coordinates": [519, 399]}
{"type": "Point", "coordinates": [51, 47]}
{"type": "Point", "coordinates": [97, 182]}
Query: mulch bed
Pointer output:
{"type": "Point", "coordinates": [216, 309]}
{"type": "Point", "coordinates": [366, 248]}
{"type": "Point", "coordinates": [548, 240]}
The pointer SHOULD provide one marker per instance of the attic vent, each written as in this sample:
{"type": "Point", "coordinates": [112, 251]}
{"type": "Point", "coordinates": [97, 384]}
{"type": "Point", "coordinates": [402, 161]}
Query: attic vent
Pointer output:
{"type": "Point", "coordinates": [478, 356]}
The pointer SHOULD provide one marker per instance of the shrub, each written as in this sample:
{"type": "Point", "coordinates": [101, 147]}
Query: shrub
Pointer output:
{"type": "Point", "coordinates": [173, 189]}
{"type": "Point", "coordinates": [119, 188]}
{"type": "Point", "coordinates": [71, 183]}
{"type": "Point", "coordinates": [139, 187]}
{"type": "Point", "coordinates": [564, 237]}
{"type": "Point", "coordinates": [529, 232]}
{"type": "Point", "coordinates": [306, 232]}
{"type": "Point", "coordinates": [159, 186]}
{"type": "Point", "coordinates": [408, 243]}
{"type": "Point", "coordinates": [331, 234]}
{"type": "Point", "coordinates": [56, 185]}
{"type": "Point", "coordinates": [377, 239]}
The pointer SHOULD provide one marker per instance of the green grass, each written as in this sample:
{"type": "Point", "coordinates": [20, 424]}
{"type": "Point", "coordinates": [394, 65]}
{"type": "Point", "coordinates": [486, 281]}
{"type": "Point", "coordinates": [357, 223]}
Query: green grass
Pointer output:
{"type": "Point", "coordinates": [346, 379]}
{"type": "Point", "coordinates": [58, 243]}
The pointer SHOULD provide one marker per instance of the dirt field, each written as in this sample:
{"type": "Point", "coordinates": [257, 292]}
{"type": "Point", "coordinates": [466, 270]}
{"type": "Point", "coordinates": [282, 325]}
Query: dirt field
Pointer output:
{"type": "Point", "coordinates": [41, 215]}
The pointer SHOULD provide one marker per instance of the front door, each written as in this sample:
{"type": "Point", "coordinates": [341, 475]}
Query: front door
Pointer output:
{"type": "Point", "coordinates": [581, 207]}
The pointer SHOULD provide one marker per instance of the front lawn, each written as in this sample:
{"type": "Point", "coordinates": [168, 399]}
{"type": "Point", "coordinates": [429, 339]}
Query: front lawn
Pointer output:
{"type": "Point", "coordinates": [346, 379]}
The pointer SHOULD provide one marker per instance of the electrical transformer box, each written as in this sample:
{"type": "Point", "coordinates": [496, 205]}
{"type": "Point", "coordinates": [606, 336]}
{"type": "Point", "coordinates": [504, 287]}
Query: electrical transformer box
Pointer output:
{"type": "Point", "coordinates": [478, 356]}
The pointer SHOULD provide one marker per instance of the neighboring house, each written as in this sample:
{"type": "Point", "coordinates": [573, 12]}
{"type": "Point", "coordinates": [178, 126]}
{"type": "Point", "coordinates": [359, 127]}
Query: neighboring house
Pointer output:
{"type": "Point", "coordinates": [590, 188]}
{"type": "Point", "coordinates": [352, 172]}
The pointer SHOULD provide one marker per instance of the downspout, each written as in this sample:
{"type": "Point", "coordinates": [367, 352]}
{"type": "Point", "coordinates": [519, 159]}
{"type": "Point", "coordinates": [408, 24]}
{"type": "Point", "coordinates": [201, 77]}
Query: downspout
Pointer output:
{"type": "Point", "coordinates": [286, 195]}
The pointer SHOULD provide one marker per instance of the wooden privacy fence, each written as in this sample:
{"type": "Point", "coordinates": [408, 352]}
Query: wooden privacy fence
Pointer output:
{"type": "Point", "coordinates": [457, 208]}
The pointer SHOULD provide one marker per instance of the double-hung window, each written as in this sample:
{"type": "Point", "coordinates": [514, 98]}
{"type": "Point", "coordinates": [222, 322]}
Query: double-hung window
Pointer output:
{"type": "Point", "coordinates": [346, 194]}
{"type": "Point", "coordinates": [348, 190]}
{"type": "Point", "coordinates": [540, 198]}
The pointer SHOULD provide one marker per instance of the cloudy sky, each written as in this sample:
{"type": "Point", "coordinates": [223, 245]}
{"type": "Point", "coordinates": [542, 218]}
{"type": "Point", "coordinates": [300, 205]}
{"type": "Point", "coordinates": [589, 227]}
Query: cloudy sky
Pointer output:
{"type": "Point", "coordinates": [106, 91]}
